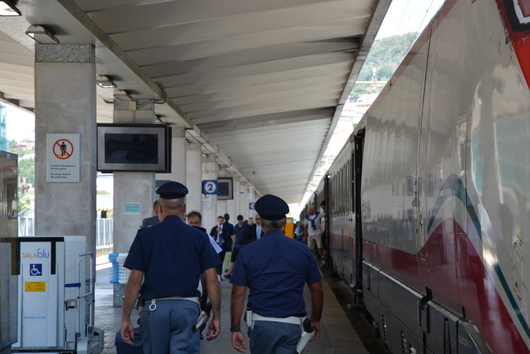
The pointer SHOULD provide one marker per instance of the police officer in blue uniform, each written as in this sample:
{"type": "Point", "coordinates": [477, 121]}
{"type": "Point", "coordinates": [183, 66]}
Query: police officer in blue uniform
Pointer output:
{"type": "Point", "coordinates": [275, 268]}
{"type": "Point", "coordinates": [169, 258]}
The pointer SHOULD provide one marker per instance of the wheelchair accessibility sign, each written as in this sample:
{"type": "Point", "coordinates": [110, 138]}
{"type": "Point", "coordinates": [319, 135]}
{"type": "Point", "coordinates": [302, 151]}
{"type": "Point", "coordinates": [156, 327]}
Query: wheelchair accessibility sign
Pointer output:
{"type": "Point", "coordinates": [35, 270]}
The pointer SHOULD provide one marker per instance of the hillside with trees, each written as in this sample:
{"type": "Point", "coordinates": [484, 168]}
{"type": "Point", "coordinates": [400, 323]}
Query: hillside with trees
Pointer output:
{"type": "Point", "coordinates": [386, 55]}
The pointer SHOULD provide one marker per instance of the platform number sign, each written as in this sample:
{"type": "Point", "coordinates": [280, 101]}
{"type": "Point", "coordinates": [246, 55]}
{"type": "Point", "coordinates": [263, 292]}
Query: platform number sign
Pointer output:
{"type": "Point", "coordinates": [209, 187]}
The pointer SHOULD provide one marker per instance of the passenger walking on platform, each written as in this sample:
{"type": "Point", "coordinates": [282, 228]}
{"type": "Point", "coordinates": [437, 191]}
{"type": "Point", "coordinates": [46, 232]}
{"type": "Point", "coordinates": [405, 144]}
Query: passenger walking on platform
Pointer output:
{"type": "Point", "coordinates": [228, 236]}
{"type": "Point", "coordinates": [254, 229]}
{"type": "Point", "coordinates": [167, 260]}
{"type": "Point", "coordinates": [152, 220]}
{"type": "Point", "coordinates": [298, 231]}
{"type": "Point", "coordinates": [313, 231]}
{"type": "Point", "coordinates": [217, 233]}
{"type": "Point", "coordinates": [241, 232]}
{"type": "Point", "coordinates": [259, 228]}
{"type": "Point", "coordinates": [325, 237]}
{"type": "Point", "coordinates": [275, 268]}
{"type": "Point", "coordinates": [195, 220]}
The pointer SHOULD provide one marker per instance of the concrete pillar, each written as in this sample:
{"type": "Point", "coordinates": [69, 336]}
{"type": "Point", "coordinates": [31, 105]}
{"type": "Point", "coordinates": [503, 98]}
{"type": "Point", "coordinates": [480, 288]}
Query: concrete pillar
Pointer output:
{"type": "Point", "coordinates": [237, 196]}
{"type": "Point", "coordinates": [231, 203]}
{"type": "Point", "coordinates": [65, 103]}
{"type": "Point", "coordinates": [178, 158]}
{"type": "Point", "coordinates": [222, 203]}
{"type": "Point", "coordinates": [210, 209]}
{"type": "Point", "coordinates": [245, 202]}
{"type": "Point", "coordinates": [133, 191]}
{"type": "Point", "coordinates": [194, 179]}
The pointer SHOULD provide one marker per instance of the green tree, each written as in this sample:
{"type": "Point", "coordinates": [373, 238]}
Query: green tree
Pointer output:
{"type": "Point", "coordinates": [25, 202]}
{"type": "Point", "coordinates": [26, 168]}
{"type": "Point", "coordinates": [386, 54]}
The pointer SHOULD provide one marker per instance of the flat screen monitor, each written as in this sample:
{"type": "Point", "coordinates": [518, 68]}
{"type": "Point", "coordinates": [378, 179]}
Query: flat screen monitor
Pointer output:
{"type": "Point", "coordinates": [134, 148]}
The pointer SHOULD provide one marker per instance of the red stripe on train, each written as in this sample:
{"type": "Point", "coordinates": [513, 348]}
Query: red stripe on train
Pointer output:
{"type": "Point", "coordinates": [449, 265]}
{"type": "Point", "coordinates": [516, 18]}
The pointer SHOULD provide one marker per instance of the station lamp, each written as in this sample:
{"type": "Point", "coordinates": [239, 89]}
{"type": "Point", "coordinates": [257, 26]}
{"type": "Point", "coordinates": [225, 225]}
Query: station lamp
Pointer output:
{"type": "Point", "coordinates": [41, 35]}
{"type": "Point", "coordinates": [8, 8]}
{"type": "Point", "coordinates": [105, 82]}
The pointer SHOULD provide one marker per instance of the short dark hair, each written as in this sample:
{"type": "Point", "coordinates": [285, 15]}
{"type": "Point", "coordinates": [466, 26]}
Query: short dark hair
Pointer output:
{"type": "Point", "coordinates": [195, 213]}
{"type": "Point", "coordinates": [227, 217]}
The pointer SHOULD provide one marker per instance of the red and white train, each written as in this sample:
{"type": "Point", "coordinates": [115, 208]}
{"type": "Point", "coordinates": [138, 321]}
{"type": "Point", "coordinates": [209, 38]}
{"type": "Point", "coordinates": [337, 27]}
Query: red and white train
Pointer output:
{"type": "Point", "coordinates": [429, 202]}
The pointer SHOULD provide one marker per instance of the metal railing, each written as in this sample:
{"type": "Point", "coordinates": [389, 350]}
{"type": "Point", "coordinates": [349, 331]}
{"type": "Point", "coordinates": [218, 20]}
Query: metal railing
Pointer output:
{"type": "Point", "coordinates": [104, 236]}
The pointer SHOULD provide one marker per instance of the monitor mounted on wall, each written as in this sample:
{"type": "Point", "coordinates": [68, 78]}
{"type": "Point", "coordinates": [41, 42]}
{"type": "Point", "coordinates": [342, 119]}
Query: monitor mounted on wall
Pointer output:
{"type": "Point", "coordinates": [134, 148]}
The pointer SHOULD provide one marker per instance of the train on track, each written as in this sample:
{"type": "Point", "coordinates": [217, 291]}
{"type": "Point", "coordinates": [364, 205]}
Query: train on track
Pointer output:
{"type": "Point", "coordinates": [428, 203]}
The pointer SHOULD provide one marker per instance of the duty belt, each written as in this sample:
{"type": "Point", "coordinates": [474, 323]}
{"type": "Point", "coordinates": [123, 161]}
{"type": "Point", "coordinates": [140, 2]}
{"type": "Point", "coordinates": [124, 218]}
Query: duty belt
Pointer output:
{"type": "Point", "coordinates": [292, 319]}
{"type": "Point", "coordinates": [152, 303]}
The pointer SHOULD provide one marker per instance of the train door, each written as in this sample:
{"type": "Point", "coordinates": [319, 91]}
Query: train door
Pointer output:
{"type": "Point", "coordinates": [327, 219]}
{"type": "Point", "coordinates": [459, 204]}
{"type": "Point", "coordinates": [357, 164]}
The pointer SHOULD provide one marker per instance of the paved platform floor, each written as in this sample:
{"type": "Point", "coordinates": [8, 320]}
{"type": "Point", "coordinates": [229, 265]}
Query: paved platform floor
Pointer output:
{"type": "Point", "coordinates": [337, 335]}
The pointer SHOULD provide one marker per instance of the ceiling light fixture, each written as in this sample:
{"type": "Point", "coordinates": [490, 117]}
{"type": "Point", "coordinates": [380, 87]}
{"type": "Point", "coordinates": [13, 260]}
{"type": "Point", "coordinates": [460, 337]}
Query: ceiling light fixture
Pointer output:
{"type": "Point", "coordinates": [41, 35]}
{"type": "Point", "coordinates": [105, 82]}
{"type": "Point", "coordinates": [8, 8]}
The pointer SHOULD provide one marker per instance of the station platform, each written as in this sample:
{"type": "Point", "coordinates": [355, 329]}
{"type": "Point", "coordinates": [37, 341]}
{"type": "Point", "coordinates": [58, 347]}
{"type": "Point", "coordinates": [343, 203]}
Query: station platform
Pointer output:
{"type": "Point", "coordinates": [337, 334]}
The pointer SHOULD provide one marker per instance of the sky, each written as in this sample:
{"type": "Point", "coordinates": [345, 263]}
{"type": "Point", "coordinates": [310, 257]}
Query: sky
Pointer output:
{"type": "Point", "coordinates": [404, 16]}
{"type": "Point", "coordinates": [19, 124]}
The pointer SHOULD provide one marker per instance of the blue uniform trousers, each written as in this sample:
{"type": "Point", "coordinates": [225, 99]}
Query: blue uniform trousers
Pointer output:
{"type": "Point", "coordinates": [167, 329]}
{"type": "Point", "coordinates": [267, 337]}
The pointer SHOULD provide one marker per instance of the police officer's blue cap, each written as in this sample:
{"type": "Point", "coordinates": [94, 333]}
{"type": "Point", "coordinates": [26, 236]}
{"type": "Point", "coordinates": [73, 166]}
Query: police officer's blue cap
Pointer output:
{"type": "Point", "coordinates": [271, 207]}
{"type": "Point", "coordinates": [172, 190]}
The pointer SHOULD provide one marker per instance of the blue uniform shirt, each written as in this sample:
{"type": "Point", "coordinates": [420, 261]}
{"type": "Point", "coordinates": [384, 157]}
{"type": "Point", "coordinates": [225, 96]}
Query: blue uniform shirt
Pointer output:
{"type": "Point", "coordinates": [172, 256]}
{"type": "Point", "coordinates": [275, 268]}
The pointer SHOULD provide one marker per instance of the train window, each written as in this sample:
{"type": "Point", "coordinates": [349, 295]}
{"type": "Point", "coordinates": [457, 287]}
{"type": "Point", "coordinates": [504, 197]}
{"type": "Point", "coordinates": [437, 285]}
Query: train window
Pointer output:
{"type": "Point", "coordinates": [410, 185]}
{"type": "Point", "coordinates": [346, 189]}
{"type": "Point", "coordinates": [341, 190]}
{"type": "Point", "coordinates": [353, 185]}
{"type": "Point", "coordinates": [331, 198]}
{"type": "Point", "coordinates": [337, 195]}
{"type": "Point", "coordinates": [350, 175]}
{"type": "Point", "coordinates": [334, 194]}
{"type": "Point", "coordinates": [345, 186]}
{"type": "Point", "coordinates": [430, 184]}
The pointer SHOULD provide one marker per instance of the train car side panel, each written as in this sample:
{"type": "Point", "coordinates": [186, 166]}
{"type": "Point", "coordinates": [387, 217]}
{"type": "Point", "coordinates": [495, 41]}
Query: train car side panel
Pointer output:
{"type": "Point", "coordinates": [454, 226]}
